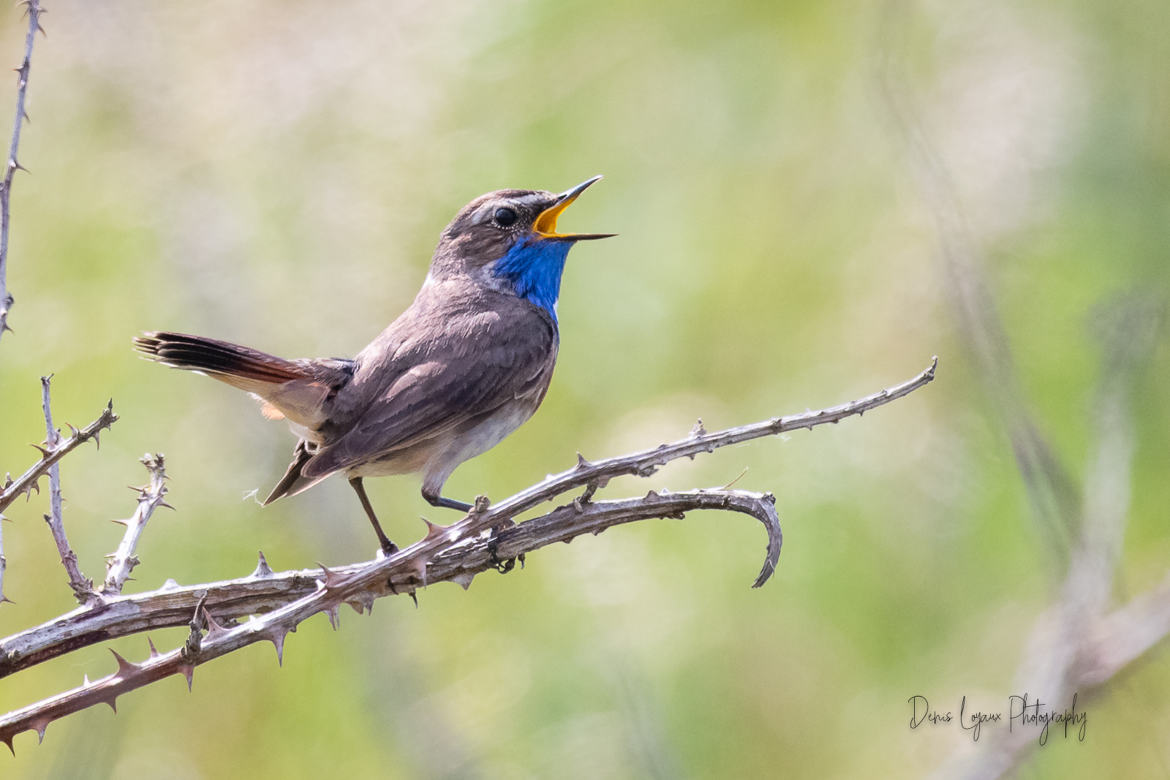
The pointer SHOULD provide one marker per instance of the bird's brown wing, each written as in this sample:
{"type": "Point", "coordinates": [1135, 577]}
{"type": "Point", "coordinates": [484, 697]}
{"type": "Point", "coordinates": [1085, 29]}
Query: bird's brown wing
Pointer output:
{"type": "Point", "coordinates": [445, 383]}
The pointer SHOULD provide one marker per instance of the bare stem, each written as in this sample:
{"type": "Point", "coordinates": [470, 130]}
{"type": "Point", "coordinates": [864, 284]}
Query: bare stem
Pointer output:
{"type": "Point", "coordinates": [645, 463]}
{"type": "Point", "coordinates": [14, 489]}
{"type": "Point", "coordinates": [276, 603]}
{"type": "Point", "coordinates": [3, 563]}
{"type": "Point", "coordinates": [33, 10]}
{"type": "Point", "coordinates": [123, 560]}
{"type": "Point", "coordinates": [264, 591]}
{"type": "Point", "coordinates": [296, 596]}
{"type": "Point", "coordinates": [82, 587]}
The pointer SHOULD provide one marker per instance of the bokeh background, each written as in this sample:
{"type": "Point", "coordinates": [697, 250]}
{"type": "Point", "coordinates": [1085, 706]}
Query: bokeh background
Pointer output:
{"type": "Point", "coordinates": [804, 192]}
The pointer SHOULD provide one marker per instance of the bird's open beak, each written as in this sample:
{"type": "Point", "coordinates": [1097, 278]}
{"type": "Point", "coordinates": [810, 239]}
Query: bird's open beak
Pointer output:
{"type": "Point", "coordinates": [546, 224]}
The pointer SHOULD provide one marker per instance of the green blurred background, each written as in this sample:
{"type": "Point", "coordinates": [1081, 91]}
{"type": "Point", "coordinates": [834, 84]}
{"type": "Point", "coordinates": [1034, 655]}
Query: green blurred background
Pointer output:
{"type": "Point", "coordinates": [276, 173]}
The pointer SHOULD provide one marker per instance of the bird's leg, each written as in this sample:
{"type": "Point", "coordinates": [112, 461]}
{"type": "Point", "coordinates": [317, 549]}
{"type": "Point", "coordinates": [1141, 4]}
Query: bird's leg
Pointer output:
{"type": "Point", "coordinates": [434, 499]}
{"type": "Point", "coordinates": [388, 547]}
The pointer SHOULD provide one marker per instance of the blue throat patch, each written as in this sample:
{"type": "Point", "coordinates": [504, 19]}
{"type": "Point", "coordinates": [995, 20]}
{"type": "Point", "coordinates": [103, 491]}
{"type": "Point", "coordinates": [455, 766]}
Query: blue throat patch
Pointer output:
{"type": "Point", "coordinates": [533, 267]}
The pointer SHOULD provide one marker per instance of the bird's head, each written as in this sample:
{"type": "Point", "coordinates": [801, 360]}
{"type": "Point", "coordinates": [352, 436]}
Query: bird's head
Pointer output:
{"type": "Point", "coordinates": [508, 239]}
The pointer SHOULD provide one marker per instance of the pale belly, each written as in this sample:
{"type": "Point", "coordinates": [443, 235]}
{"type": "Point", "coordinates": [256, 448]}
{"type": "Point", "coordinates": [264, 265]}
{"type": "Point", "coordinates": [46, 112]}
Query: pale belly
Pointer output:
{"type": "Point", "coordinates": [438, 457]}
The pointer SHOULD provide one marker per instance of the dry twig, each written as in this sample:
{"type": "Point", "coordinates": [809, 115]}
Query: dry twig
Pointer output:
{"type": "Point", "coordinates": [50, 455]}
{"type": "Point", "coordinates": [33, 11]}
{"type": "Point", "coordinates": [14, 489]}
{"type": "Point", "coordinates": [264, 606]}
{"type": "Point", "coordinates": [81, 585]}
{"type": "Point", "coordinates": [122, 561]}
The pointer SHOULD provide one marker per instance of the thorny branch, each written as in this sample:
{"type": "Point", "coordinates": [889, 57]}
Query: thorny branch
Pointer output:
{"type": "Point", "coordinates": [82, 587]}
{"type": "Point", "coordinates": [33, 11]}
{"type": "Point", "coordinates": [27, 481]}
{"type": "Point", "coordinates": [150, 497]}
{"type": "Point", "coordinates": [50, 455]}
{"type": "Point", "coordinates": [297, 596]}
{"type": "Point", "coordinates": [266, 606]}
{"type": "Point", "coordinates": [3, 564]}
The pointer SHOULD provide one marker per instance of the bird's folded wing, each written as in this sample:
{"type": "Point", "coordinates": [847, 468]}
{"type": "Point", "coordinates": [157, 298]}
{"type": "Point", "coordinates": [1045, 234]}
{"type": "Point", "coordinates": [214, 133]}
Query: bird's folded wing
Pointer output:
{"type": "Point", "coordinates": [440, 393]}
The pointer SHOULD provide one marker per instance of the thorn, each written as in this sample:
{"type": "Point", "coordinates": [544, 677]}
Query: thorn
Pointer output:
{"type": "Point", "coordinates": [8, 742]}
{"type": "Point", "coordinates": [73, 431]}
{"type": "Point", "coordinates": [153, 649]}
{"type": "Point", "coordinates": [17, 166]}
{"type": "Point", "coordinates": [170, 584]}
{"type": "Point", "coordinates": [413, 598]}
{"type": "Point", "coordinates": [363, 602]}
{"type": "Point", "coordinates": [119, 522]}
{"type": "Point", "coordinates": [463, 579]}
{"type": "Point", "coordinates": [113, 702]}
{"type": "Point", "coordinates": [188, 671]}
{"type": "Point", "coordinates": [698, 430]}
{"type": "Point", "coordinates": [124, 666]}
{"type": "Point", "coordinates": [165, 505]}
{"type": "Point", "coordinates": [39, 725]}
{"type": "Point", "coordinates": [434, 531]}
{"type": "Point", "coordinates": [276, 637]}
{"type": "Point", "coordinates": [651, 495]}
{"type": "Point", "coordinates": [262, 568]}
{"type": "Point", "coordinates": [334, 616]}
{"type": "Point", "coordinates": [85, 681]}
{"type": "Point", "coordinates": [44, 454]}
{"type": "Point", "coordinates": [581, 462]}
{"type": "Point", "coordinates": [214, 629]}
{"type": "Point", "coordinates": [331, 580]}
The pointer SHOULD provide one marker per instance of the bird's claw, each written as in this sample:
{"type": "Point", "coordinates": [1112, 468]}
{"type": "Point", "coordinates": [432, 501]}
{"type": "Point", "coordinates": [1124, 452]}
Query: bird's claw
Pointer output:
{"type": "Point", "coordinates": [502, 565]}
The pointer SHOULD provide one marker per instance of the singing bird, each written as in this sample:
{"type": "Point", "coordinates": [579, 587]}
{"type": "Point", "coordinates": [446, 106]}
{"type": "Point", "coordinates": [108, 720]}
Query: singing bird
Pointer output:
{"type": "Point", "coordinates": [466, 364]}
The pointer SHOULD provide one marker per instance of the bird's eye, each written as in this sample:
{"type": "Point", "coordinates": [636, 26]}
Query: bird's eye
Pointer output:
{"type": "Point", "coordinates": [504, 216]}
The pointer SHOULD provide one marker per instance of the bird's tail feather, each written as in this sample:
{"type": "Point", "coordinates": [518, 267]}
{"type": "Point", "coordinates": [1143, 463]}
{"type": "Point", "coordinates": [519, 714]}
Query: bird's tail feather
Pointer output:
{"type": "Point", "coordinates": [220, 359]}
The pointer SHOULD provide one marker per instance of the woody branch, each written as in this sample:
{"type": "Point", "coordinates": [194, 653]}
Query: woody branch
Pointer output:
{"type": "Point", "coordinates": [81, 585]}
{"type": "Point", "coordinates": [33, 10]}
{"type": "Point", "coordinates": [276, 603]}
{"type": "Point", "coordinates": [122, 561]}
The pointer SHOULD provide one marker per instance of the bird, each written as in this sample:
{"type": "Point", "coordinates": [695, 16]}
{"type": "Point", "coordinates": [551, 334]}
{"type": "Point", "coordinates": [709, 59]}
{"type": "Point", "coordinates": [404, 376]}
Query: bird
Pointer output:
{"type": "Point", "coordinates": [467, 363]}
